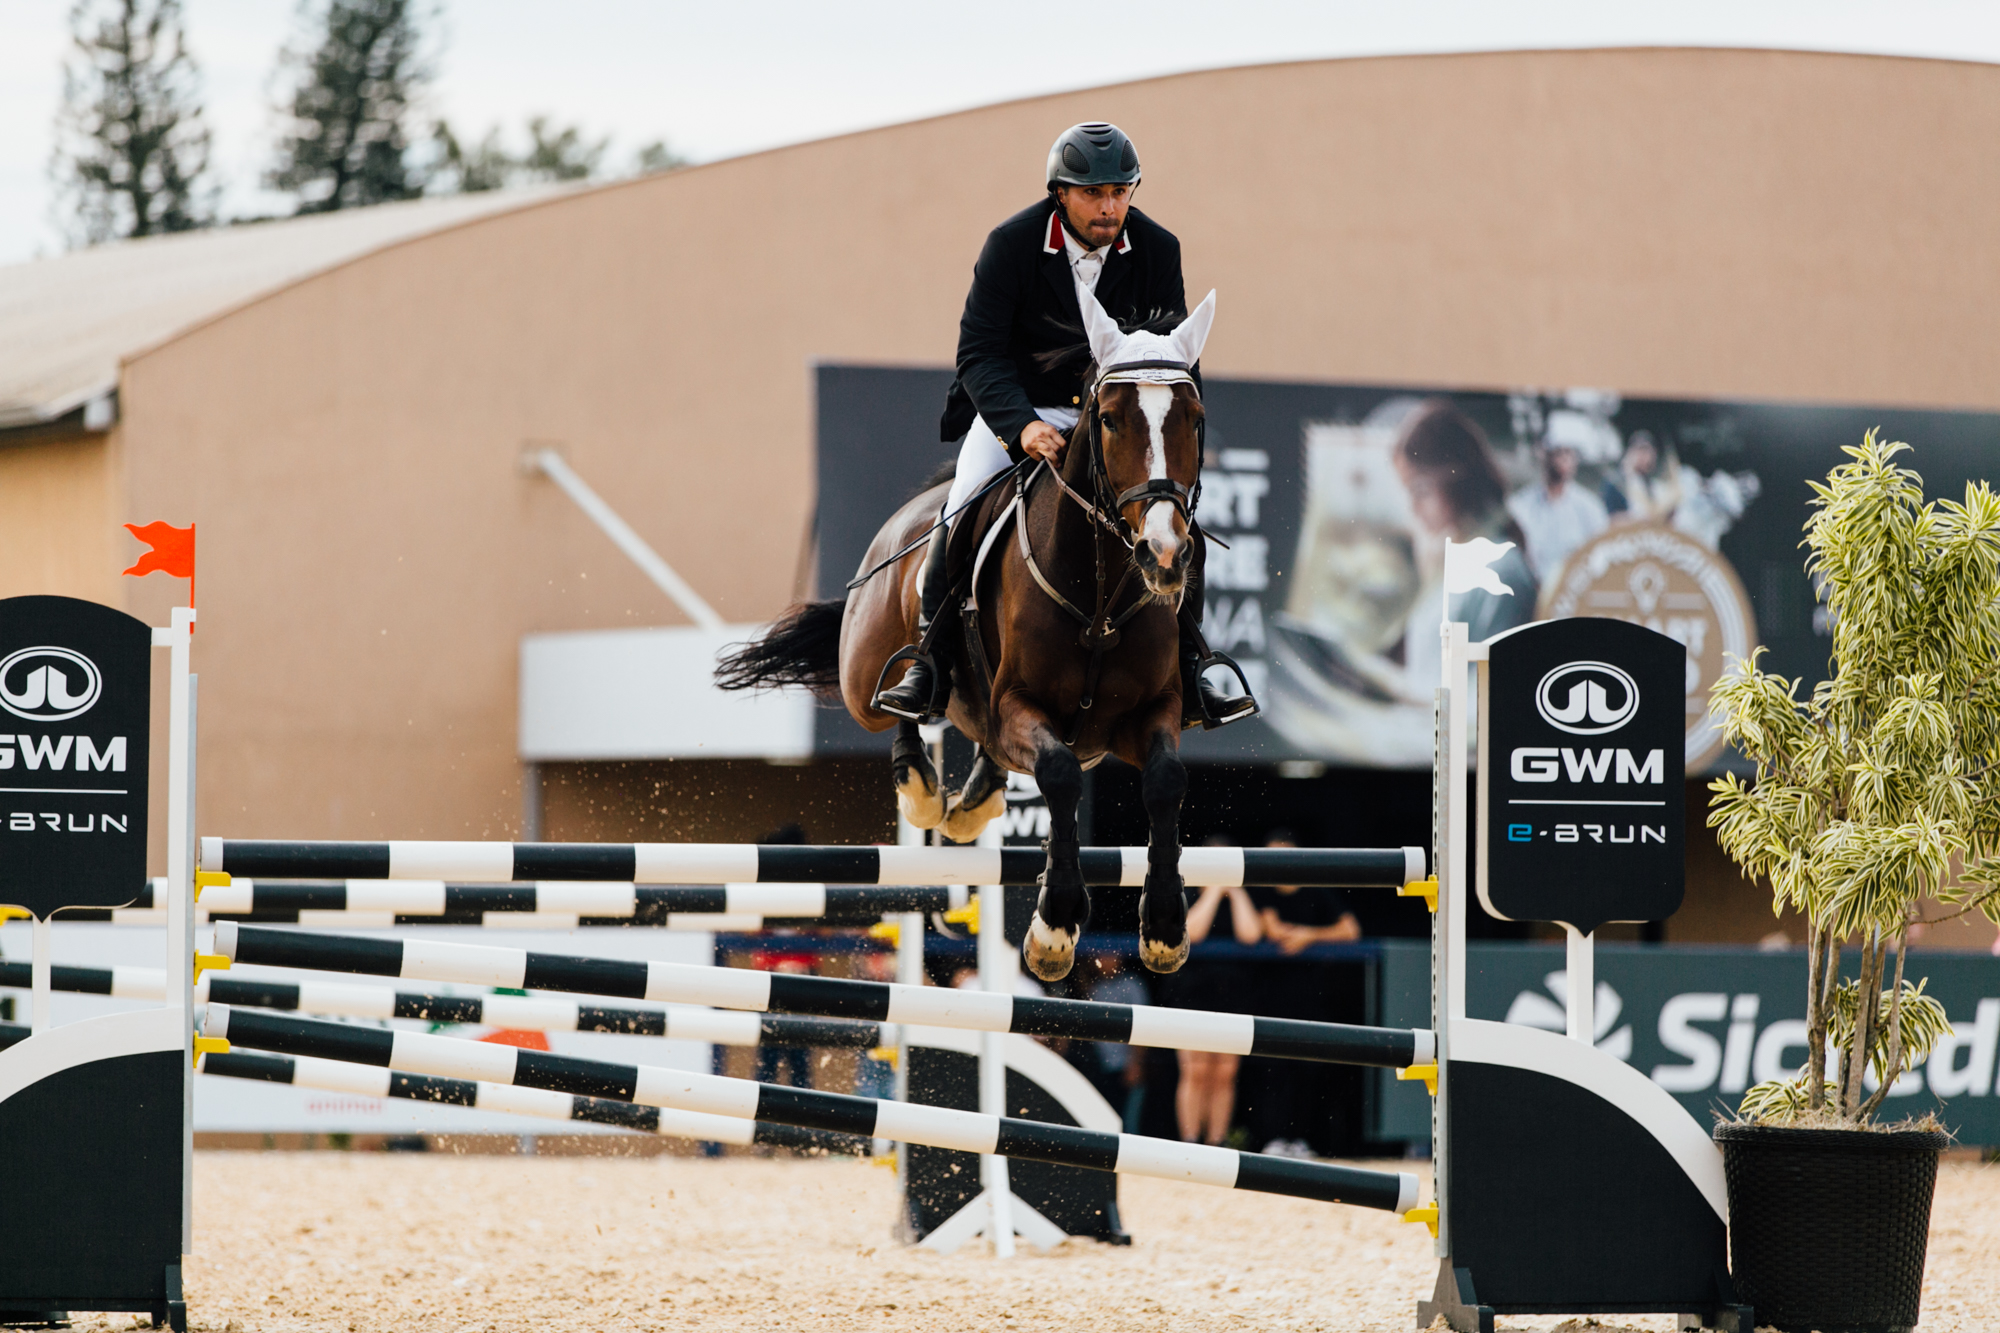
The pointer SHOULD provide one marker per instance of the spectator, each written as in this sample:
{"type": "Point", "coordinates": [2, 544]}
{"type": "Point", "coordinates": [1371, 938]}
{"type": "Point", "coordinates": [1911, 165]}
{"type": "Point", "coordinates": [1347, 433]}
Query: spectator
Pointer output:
{"type": "Point", "coordinates": [1205, 1097]}
{"type": "Point", "coordinates": [773, 1060]}
{"type": "Point", "coordinates": [872, 1077]}
{"type": "Point", "coordinates": [1295, 918]}
{"type": "Point", "coordinates": [1121, 1074]}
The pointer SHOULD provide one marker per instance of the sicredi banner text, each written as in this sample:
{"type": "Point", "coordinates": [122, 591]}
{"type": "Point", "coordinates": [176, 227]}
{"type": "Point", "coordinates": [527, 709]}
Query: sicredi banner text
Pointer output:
{"type": "Point", "coordinates": [75, 703]}
{"type": "Point", "coordinates": [1580, 732]}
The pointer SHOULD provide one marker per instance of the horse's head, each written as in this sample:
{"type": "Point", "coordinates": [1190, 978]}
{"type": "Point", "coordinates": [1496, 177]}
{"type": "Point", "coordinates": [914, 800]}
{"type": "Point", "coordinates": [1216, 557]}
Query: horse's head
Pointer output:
{"type": "Point", "coordinates": [1148, 429]}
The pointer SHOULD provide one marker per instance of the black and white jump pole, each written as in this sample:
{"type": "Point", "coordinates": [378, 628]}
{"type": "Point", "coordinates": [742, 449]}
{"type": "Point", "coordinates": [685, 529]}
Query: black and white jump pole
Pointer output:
{"type": "Point", "coordinates": [827, 997]}
{"type": "Point", "coordinates": [534, 1013]}
{"type": "Point", "coordinates": [305, 1071]}
{"type": "Point", "coordinates": [693, 863]}
{"type": "Point", "coordinates": [903, 1122]}
{"type": "Point", "coordinates": [625, 903]}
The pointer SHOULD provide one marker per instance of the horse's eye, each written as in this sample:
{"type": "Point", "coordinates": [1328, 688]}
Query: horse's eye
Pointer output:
{"type": "Point", "coordinates": [1107, 421]}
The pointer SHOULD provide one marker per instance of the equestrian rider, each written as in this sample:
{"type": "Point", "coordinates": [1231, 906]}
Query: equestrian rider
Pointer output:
{"type": "Point", "coordinates": [1004, 406]}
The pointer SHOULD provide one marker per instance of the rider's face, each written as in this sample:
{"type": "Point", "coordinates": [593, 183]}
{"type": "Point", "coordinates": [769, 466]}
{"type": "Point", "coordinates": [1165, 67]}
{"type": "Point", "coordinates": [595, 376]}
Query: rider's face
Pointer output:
{"type": "Point", "coordinates": [1096, 212]}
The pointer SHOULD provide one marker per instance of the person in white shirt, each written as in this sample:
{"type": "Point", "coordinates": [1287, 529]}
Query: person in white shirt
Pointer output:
{"type": "Point", "coordinates": [1558, 515]}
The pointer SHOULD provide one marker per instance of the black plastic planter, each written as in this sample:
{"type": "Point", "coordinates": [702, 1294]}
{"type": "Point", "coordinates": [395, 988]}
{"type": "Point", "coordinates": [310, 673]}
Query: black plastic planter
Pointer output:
{"type": "Point", "coordinates": [1828, 1227]}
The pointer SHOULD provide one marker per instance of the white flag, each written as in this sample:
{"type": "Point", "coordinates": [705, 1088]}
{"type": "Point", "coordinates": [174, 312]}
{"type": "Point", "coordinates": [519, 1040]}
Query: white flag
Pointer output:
{"type": "Point", "coordinates": [1467, 566]}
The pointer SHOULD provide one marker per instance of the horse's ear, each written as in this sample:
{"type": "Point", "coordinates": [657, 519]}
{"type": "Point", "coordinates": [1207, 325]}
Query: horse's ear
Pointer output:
{"type": "Point", "coordinates": [1102, 330]}
{"type": "Point", "coordinates": [1192, 333]}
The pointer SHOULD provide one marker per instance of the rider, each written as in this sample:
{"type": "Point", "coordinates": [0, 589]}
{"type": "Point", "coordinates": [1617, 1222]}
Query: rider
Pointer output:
{"type": "Point", "coordinates": [1004, 405]}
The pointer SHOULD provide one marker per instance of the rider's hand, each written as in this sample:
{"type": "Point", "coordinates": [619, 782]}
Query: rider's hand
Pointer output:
{"type": "Point", "coordinates": [1043, 441]}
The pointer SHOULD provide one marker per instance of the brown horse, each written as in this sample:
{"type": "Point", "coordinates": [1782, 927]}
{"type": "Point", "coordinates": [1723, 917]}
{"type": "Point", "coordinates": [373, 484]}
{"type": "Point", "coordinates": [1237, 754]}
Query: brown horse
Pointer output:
{"type": "Point", "coordinates": [1069, 625]}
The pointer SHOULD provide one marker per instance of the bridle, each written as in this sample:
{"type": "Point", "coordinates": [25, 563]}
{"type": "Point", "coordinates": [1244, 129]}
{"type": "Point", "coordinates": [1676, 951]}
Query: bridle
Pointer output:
{"type": "Point", "coordinates": [1101, 629]}
{"type": "Point", "coordinates": [1154, 490]}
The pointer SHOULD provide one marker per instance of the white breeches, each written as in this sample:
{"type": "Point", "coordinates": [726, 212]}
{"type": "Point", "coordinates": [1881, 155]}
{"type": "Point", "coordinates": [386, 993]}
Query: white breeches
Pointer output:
{"type": "Point", "coordinates": [982, 455]}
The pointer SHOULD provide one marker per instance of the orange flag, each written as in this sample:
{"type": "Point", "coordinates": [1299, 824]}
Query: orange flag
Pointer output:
{"type": "Point", "coordinates": [172, 553]}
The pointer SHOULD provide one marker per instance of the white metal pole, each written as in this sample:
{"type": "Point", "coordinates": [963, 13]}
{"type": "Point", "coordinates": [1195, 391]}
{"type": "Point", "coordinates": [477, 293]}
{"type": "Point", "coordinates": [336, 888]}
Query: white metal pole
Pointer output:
{"type": "Point", "coordinates": [181, 914]}
{"type": "Point", "coordinates": [1582, 997]}
{"type": "Point", "coordinates": [180, 814]}
{"type": "Point", "coordinates": [1453, 887]}
{"type": "Point", "coordinates": [996, 973]}
{"type": "Point", "coordinates": [553, 466]}
{"type": "Point", "coordinates": [909, 972]}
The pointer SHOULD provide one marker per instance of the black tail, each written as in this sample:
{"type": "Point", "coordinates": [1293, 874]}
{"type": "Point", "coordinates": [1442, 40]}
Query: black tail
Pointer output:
{"type": "Point", "coordinates": [803, 648]}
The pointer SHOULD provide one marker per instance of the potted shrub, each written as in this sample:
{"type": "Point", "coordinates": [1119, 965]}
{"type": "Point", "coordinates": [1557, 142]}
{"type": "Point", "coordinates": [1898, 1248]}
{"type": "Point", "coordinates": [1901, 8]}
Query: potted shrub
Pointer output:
{"type": "Point", "coordinates": [1866, 795]}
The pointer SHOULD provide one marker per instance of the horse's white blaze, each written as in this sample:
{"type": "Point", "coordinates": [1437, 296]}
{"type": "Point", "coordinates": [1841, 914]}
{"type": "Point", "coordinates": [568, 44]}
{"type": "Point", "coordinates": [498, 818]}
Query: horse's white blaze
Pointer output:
{"type": "Point", "coordinates": [1155, 401]}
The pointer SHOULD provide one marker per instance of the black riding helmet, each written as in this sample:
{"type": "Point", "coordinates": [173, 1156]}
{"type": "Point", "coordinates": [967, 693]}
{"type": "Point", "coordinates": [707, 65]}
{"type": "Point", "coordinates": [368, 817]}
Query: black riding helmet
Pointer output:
{"type": "Point", "coordinates": [1093, 153]}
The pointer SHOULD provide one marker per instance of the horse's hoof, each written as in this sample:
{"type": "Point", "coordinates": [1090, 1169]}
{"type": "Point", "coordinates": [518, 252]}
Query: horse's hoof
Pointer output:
{"type": "Point", "coordinates": [920, 799]}
{"type": "Point", "coordinates": [1161, 957]}
{"type": "Point", "coordinates": [1050, 953]}
{"type": "Point", "coordinates": [1158, 955]}
{"type": "Point", "coordinates": [963, 823]}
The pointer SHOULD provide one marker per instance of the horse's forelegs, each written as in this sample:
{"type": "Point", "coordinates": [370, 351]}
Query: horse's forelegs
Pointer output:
{"type": "Point", "coordinates": [1163, 936]}
{"type": "Point", "coordinates": [1064, 904]}
{"type": "Point", "coordinates": [918, 793]}
{"type": "Point", "coordinates": [978, 803]}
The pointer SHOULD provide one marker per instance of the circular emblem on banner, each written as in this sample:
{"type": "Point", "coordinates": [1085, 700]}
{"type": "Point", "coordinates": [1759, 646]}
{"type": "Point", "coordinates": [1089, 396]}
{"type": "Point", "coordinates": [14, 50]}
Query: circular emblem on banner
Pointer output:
{"type": "Point", "coordinates": [1667, 581]}
{"type": "Point", "coordinates": [1587, 698]}
{"type": "Point", "coordinates": [48, 684]}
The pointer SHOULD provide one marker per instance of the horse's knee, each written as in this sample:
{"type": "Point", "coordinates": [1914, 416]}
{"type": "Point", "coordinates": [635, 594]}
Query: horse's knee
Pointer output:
{"type": "Point", "coordinates": [1059, 776]}
{"type": "Point", "coordinates": [1163, 784]}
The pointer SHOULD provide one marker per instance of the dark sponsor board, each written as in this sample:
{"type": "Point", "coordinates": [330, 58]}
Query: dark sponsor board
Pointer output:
{"type": "Point", "coordinates": [75, 704]}
{"type": "Point", "coordinates": [1580, 818]}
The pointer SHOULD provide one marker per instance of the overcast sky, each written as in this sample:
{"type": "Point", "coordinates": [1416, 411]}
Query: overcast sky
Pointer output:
{"type": "Point", "coordinates": [718, 80]}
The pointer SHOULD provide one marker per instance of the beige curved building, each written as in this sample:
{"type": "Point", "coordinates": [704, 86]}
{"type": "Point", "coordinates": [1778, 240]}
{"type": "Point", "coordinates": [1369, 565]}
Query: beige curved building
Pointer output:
{"type": "Point", "coordinates": [346, 422]}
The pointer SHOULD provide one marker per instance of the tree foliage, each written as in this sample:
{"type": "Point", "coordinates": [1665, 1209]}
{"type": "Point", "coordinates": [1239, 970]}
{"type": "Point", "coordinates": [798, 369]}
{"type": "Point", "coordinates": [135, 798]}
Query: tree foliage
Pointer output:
{"type": "Point", "coordinates": [554, 153]}
{"type": "Point", "coordinates": [656, 157]}
{"type": "Point", "coordinates": [131, 143]}
{"type": "Point", "coordinates": [348, 143]}
{"type": "Point", "coordinates": [1868, 793]}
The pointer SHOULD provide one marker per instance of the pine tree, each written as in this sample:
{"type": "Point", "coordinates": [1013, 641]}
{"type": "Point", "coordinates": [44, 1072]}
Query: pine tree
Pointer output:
{"type": "Point", "coordinates": [656, 157]}
{"type": "Point", "coordinates": [348, 145]}
{"type": "Point", "coordinates": [131, 145]}
{"type": "Point", "coordinates": [560, 154]}
{"type": "Point", "coordinates": [458, 169]}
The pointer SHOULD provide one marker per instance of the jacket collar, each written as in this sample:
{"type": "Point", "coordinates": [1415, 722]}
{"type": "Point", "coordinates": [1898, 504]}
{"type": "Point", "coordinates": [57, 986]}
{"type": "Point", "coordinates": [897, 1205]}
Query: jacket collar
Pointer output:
{"type": "Point", "coordinates": [1052, 239]}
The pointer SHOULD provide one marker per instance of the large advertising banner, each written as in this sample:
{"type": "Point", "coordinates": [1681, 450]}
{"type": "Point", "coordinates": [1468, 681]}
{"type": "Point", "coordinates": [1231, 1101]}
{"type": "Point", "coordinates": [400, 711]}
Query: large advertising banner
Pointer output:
{"type": "Point", "coordinates": [1704, 1023]}
{"type": "Point", "coordinates": [1336, 500]}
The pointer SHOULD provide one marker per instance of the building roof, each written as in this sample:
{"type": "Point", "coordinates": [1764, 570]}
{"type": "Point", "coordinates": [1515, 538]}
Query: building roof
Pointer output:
{"type": "Point", "coordinates": [68, 323]}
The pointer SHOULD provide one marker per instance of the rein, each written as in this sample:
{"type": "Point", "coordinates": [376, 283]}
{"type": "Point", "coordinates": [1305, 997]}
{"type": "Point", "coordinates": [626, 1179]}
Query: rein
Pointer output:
{"type": "Point", "coordinates": [1101, 630]}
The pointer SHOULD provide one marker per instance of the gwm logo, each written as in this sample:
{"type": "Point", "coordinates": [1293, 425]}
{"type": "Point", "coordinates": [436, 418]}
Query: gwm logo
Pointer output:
{"type": "Point", "coordinates": [49, 684]}
{"type": "Point", "coordinates": [1587, 698]}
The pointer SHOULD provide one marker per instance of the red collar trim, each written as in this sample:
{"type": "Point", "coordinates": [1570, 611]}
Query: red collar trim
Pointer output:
{"type": "Point", "coordinates": [1052, 244]}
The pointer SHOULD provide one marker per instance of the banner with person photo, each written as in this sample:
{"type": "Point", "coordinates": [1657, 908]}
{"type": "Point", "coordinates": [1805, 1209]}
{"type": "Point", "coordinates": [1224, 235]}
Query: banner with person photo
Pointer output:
{"type": "Point", "coordinates": [1335, 502]}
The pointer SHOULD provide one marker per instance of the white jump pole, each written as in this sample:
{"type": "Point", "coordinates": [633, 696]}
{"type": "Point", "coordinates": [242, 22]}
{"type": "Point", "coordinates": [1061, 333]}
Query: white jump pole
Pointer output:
{"type": "Point", "coordinates": [996, 967]}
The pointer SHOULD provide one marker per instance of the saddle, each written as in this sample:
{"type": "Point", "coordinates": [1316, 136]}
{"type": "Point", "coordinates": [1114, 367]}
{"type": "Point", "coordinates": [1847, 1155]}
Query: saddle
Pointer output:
{"type": "Point", "coordinates": [970, 547]}
{"type": "Point", "coordinates": [972, 538]}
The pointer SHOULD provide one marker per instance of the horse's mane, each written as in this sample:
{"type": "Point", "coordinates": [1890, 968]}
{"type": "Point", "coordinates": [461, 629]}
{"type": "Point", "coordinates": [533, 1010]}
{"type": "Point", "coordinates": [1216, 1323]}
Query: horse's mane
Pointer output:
{"type": "Point", "coordinates": [1077, 354]}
